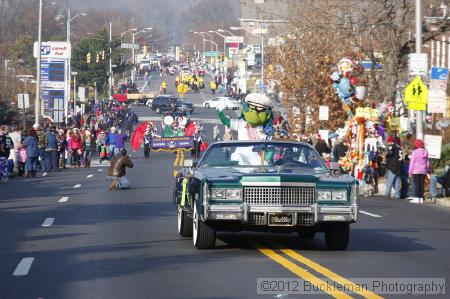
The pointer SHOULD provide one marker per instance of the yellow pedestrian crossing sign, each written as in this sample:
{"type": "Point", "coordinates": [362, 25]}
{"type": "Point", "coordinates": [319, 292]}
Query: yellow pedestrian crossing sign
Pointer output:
{"type": "Point", "coordinates": [416, 95]}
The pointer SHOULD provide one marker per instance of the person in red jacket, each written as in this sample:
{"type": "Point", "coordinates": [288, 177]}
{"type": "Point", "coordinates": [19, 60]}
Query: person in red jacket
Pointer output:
{"type": "Point", "coordinates": [75, 147]}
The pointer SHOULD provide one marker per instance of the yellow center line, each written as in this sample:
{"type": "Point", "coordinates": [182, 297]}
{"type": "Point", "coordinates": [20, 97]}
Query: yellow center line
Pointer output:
{"type": "Point", "coordinates": [330, 274]}
{"type": "Point", "coordinates": [302, 273]}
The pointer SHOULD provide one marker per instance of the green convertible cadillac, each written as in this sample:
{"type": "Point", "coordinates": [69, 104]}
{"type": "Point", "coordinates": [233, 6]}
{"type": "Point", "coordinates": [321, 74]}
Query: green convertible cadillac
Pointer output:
{"type": "Point", "coordinates": [264, 186]}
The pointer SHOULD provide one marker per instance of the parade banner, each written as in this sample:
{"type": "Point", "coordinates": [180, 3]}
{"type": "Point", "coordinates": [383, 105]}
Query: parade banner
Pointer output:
{"type": "Point", "coordinates": [172, 142]}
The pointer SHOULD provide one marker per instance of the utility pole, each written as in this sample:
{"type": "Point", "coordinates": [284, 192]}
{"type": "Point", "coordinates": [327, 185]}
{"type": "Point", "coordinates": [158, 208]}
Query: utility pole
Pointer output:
{"type": "Point", "coordinates": [419, 114]}
{"type": "Point", "coordinates": [110, 61]}
{"type": "Point", "coordinates": [74, 74]}
{"type": "Point", "coordinates": [66, 105]}
{"type": "Point", "coordinates": [37, 101]}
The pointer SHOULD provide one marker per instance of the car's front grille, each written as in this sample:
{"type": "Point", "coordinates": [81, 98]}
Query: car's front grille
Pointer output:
{"type": "Point", "coordinates": [305, 218]}
{"type": "Point", "coordinates": [257, 218]}
{"type": "Point", "coordinates": [279, 196]}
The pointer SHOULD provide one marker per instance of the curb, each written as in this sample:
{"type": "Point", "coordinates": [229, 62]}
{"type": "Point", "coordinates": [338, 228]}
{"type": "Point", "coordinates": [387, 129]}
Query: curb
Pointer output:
{"type": "Point", "coordinates": [445, 202]}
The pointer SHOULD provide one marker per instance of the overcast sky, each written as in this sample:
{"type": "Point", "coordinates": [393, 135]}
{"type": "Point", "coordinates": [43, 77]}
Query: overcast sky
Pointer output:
{"type": "Point", "coordinates": [139, 6]}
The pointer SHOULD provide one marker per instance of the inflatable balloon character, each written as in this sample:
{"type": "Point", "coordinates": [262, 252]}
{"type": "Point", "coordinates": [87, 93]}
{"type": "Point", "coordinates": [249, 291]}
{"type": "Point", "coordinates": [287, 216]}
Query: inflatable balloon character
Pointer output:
{"type": "Point", "coordinates": [344, 82]}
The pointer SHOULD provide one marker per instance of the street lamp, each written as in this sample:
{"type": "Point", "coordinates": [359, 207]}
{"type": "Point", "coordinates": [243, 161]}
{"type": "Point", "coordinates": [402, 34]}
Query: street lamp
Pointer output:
{"type": "Point", "coordinates": [74, 74]}
{"type": "Point", "coordinates": [69, 68]}
{"type": "Point", "coordinates": [133, 58]}
{"type": "Point", "coordinates": [129, 30]}
{"type": "Point", "coordinates": [245, 29]}
{"type": "Point", "coordinates": [221, 35]}
{"type": "Point", "coordinates": [226, 31]}
{"type": "Point", "coordinates": [121, 35]}
{"type": "Point", "coordinates": [262, 46]}
{"type": "Point", "coordinates": [203, 36]}
{"type": "Point", "coordinates": [212, 43]}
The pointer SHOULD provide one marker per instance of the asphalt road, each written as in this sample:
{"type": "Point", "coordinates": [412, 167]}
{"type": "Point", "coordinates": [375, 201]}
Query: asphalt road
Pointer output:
{"type": "Point", "coordinates": [66, 236]}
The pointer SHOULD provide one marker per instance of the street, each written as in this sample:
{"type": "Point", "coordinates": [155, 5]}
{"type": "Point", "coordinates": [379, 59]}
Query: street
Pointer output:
{"type": "Point", "coordinates": [66, 236]}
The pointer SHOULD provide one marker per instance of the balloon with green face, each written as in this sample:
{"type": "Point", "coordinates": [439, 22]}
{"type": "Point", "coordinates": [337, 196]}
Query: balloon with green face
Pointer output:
{"type": "Point", "coordinates": [256, 118]}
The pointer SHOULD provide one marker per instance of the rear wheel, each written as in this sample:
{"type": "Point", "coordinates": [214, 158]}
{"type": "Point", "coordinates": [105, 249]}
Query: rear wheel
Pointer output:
{"type": "Point", "coordinates": [184, 223]}
{"type": "Point", "coordinates": [158, 110]}
{"type": "Point", "coordinates": [204, 237]}
{"type": "Point", "coordinates": [337, 235]}
{"type": "Point", "coordinates": [207, 106]}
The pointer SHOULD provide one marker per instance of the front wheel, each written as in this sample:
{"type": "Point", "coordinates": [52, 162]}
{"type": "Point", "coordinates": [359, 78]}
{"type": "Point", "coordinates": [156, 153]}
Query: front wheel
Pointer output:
{"type": "Point", "coordinates": [204, 237]}
{"type": "Point", "coordinates": [337, 235]}
{"type": "Point", "coordinates": [158, 110]}
{"type": "Point", "coordinates": [184, 223]}
{"type": "Point", "coordinates": [207, 106]}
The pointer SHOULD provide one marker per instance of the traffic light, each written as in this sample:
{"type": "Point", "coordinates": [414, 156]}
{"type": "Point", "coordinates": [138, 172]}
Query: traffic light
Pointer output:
{"type": "Point", "coordinates": [88, 57]}
{"type": "Point", "coordinates": [222, 56]}
{"type": "Point", "coordinates": [103, 55]}
{"type": "Point", "coordinates": [97, 58]}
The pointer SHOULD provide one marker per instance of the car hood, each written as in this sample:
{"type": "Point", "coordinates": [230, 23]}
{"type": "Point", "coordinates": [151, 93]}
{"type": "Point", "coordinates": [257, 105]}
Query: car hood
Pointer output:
{"type": "Point", "coordinates": [266, 174]}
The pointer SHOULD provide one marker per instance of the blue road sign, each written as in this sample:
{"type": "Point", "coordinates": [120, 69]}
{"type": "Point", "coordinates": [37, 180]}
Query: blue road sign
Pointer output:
{"type": "Point", "coordinates": [439, 73]}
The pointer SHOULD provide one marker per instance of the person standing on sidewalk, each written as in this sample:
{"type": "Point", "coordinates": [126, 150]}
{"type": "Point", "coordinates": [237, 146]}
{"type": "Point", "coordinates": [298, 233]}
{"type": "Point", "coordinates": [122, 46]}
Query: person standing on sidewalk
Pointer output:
{"type": "Point", "coordinates": [419, 167]}
{"type": "Point", "coordinates": [42, 143]}
{"type": "Point", "coordinates": [51, 160]}
{"type": "Point", "coordinates": [16, 137]}
{"type": "Point", "coordinates": [61, 148]}
{"type": "Point", "coordinates": [32, 148]}
{"type": "Point", "coordinates": [394, 168]}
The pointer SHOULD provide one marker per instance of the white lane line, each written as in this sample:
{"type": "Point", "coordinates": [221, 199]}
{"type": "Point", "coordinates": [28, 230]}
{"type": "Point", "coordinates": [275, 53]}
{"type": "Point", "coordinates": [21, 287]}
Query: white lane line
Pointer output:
{"type": "Point", "coordinates": [24, 266]}
{"type": "Point", "coordinates": [64, 199]}
{"type": "Point", "coordinates": [89, 176]}
{"type": "Point", "coordinates": [77, 186]}
{"type": "Point", "coordinates": [100, 170]}
{"type": "Point", "coordinates": [370, 214]}
{"type": "Point", "coordinates": [48, 222]}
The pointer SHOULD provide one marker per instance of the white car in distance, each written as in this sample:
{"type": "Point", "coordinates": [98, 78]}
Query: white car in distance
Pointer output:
{"type": "Point", "coordinates": [228, 103]}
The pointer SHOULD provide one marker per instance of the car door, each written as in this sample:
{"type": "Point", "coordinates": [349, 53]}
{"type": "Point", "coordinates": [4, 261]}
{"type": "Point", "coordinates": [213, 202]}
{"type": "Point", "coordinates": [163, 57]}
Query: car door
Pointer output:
{"type": "Point", "coordinates": [214, 102]}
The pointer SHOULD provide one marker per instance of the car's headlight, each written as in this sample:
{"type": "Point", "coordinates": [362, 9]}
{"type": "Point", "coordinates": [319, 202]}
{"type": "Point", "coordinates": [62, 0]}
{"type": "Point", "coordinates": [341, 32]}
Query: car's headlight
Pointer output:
{"type": "Point", "coordinates": [338, 195]}
{"type": "Point", "coordinates": [354, 194]}
{"type": "Point", "coordinates": [323, 195]}
{"type": "Point", "coordinates": [226, 193]}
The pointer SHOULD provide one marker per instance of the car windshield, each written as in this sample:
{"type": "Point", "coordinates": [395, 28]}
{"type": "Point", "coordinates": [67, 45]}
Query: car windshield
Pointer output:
{"type": "Point", "coordinates": [267, 155]}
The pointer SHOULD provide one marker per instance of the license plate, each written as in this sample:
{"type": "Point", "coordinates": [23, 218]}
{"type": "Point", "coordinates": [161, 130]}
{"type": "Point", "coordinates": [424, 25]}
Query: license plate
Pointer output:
{"type": "Point", "coordinates": [281, 219]}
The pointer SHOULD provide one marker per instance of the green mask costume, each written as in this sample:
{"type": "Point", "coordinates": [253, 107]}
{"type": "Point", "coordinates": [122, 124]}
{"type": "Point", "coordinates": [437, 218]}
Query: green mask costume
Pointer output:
{"type": "Point", "coordinates": [255, 118]}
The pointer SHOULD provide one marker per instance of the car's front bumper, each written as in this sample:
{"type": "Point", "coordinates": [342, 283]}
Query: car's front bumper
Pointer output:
{"type": "Point", "coordinates": [309, 215]}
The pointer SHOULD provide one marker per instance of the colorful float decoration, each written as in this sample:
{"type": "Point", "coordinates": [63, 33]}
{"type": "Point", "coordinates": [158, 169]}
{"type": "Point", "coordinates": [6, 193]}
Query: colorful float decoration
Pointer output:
{"type": "Point", "coordinates": [345, 83]}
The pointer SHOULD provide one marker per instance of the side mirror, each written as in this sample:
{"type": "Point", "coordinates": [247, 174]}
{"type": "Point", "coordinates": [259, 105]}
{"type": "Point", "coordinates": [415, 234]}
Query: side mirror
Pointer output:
{"type": "Point", "coordinates": [190, 163]}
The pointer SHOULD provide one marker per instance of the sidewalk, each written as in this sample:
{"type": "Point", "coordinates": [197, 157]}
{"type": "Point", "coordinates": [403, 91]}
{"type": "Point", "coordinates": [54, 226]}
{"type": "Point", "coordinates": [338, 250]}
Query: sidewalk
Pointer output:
{"type": "Point", "coordinates": [443, 201]}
